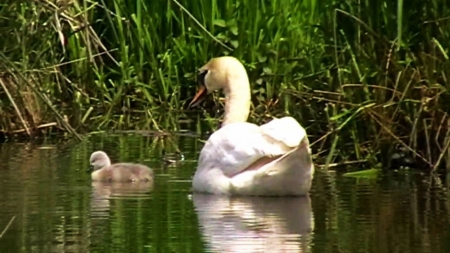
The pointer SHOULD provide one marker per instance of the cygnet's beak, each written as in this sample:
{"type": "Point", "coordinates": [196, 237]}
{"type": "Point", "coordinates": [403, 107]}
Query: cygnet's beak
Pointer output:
{"type": "Point", "coordinates": [199, 97]}
{"type": "Point", "coordinates": [90, 168]}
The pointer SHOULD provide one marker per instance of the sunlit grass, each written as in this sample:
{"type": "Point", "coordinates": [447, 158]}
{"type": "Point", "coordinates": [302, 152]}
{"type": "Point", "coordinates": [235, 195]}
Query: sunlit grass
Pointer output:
{"type": "Point", "coordinates": [360, 76]}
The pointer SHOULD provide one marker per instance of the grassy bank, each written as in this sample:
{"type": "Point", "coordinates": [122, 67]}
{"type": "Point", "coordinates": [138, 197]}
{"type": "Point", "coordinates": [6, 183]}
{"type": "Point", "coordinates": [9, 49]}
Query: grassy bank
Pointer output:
{"type": "Point", "coordinates": [360, 75]}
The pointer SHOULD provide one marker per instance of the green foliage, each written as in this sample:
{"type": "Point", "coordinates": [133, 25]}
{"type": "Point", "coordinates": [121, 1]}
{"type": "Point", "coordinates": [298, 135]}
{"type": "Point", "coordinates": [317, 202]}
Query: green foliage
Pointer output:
{"type": "Point", "coordinates": [360, 75]}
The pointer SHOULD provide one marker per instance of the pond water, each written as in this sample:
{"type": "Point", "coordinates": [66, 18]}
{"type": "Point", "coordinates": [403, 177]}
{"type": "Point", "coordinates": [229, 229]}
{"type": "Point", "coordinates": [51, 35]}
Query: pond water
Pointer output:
{"type": "Point", "coordinates": [47, 197]}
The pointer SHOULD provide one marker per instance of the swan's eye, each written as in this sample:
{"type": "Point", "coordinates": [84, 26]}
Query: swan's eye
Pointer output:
{"type": "Point", "coordinates": [201, 76]}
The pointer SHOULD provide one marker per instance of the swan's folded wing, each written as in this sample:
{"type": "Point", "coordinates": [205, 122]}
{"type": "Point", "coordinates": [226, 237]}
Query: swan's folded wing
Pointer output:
{"type": "Point", "coordinates": [236, 146]}
{"type": "Point", "coordinates": [286, 130]}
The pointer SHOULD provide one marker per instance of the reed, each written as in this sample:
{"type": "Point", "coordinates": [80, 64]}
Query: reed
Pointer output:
{"type": "Point", "coordinates": [360, 75]}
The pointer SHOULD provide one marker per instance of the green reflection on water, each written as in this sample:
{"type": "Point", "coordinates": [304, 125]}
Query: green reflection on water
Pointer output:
{"type": "Point", "coordinates": [57, 208]}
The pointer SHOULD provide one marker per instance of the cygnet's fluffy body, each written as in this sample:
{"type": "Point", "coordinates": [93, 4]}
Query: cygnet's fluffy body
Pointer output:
{"type": "Point", "coordinates": [118, 172]}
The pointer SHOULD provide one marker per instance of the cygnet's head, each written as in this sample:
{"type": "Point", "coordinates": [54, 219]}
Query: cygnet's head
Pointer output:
{"type": "Point", "coordinates": [99, 159]}
{"type": "Point", "coordinates": [219, 74]}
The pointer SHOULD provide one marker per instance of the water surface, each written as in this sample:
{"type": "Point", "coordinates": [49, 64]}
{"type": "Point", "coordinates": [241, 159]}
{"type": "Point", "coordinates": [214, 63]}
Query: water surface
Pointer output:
{"type": "Point", "coordinates": [46, 187]}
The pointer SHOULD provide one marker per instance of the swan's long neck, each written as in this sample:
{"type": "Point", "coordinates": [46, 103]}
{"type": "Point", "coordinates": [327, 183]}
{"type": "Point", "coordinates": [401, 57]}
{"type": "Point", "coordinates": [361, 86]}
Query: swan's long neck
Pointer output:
{"type": "Point", "coordinates": [237, 99]}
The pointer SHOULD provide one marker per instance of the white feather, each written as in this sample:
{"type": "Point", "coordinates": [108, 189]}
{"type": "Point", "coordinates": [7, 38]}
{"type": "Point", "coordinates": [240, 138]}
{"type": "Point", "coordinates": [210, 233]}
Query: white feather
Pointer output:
{"type": "Point", "coordinates": [234, 147]}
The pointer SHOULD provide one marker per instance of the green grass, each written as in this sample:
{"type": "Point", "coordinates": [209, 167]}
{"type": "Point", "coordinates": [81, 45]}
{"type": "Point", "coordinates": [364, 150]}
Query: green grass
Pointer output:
{"type": "Point", "coordinates": [359, 75]}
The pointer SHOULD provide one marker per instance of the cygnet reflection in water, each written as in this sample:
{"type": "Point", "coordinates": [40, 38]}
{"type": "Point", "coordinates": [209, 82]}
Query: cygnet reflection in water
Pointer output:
{"type": "Point", "coordinates": [103, 192]}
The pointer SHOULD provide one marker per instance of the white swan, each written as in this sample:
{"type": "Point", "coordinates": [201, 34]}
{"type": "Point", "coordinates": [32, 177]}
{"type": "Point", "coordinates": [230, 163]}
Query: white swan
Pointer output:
{"type": "Point", "coordinates": [245, 159]}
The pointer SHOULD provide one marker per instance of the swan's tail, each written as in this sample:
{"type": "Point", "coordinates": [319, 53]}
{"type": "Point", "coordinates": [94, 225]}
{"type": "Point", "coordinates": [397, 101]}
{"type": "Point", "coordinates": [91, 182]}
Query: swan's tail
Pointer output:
{"type": "Point", "coordinates": [290, 174]}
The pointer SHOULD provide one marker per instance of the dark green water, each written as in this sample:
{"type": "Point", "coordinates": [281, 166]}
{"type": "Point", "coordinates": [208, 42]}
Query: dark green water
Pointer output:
{"type": "Point", "coordinates": [46, 188]}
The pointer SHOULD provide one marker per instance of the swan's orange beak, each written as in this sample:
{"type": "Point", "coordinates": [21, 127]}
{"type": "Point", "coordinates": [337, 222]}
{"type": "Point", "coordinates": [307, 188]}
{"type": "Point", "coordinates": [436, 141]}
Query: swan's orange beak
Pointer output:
{"type": "Point", "coordinates": [199, 97]}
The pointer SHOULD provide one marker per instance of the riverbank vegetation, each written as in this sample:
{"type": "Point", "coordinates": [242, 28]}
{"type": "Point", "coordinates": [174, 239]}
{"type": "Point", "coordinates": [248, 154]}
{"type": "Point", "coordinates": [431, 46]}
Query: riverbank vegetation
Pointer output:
{"type": "Point", "coordinates": [361, 76]}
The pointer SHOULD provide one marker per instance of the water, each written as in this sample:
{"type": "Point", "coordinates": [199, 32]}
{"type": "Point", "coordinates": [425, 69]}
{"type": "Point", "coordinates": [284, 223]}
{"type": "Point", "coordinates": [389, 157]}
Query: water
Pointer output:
{"type": "Point", "coordinates": [46, 187]}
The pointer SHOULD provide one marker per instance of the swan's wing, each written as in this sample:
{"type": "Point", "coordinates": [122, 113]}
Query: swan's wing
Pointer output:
{"type": "Point", "coordinates": [235, 146]}
{"type": "Point", "coordinates": [286, 130]}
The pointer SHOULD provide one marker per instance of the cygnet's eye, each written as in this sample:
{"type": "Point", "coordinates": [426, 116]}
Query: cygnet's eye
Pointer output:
{"type": "Point", "coordinates": [201, 76]}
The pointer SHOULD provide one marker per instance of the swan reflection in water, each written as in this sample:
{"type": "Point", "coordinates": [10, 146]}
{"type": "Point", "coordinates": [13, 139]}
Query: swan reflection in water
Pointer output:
{"type": "Point", "coordinates": [254, 224]}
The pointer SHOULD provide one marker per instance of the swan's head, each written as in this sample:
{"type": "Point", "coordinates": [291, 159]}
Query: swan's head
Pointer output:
{"type": "Point", "coordinates": [98, 160]}
{"type": "Point", "coordinates": [221, 73]}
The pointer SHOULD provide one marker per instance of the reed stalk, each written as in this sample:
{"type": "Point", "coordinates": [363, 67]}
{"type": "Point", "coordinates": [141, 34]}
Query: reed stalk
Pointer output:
{"type": "Point", "coordinates": [119, 64]}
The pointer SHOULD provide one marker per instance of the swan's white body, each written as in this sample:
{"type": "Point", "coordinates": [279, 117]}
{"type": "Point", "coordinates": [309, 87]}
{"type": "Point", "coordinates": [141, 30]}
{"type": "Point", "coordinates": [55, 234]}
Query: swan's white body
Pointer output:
{"type": "Point", "coordinates": [245, 159]}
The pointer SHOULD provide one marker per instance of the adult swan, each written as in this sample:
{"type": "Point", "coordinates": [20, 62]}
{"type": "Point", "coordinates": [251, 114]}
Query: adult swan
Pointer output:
{"type": "Point", "coordinates": [242, 158]}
